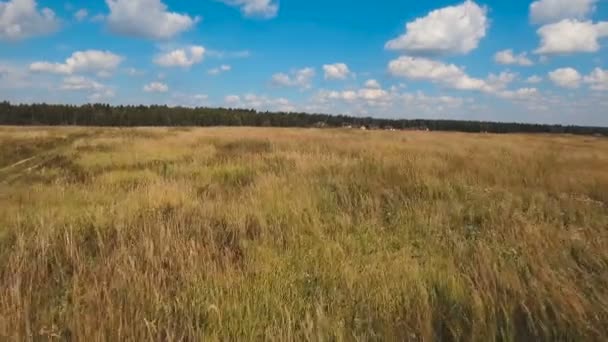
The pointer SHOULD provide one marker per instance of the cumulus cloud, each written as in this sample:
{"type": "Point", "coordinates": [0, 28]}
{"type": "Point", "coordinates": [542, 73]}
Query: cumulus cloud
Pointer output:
{"type": "Point", "coordinates": [81, 83]}
{"type": "Point", "coordinates": [299, 78]}
{"type": "Point", "coordinates": [146, 19]}
{"type": "Point", "coordinates": [21, 19]}
{"type": "Point", "coordinates": [566, 78]}
{"type": "Point", "coordinates": [134, 72]}
{"type": "Point", "coordinates": [448, 75]}
{"type": "Point", "coordinates": [500, 81]}
{"type": "Point", "coordinates": [440, 102]}
{"type": "Point", "coordinates": [255, 8]}
{"type": "Point", "coordinates": [373, 84]}
{"type": "Point", "coordinates": [259, 102]}
{"type": "Point", "coordinates": [184, 58]}
{"type": "Point", "coordinates": [98, 18]}
{"type": "Point", "coordinates": [232, 100]}
{"type": "Point", "coordinates": [90, 61]}
{"type": "Point", "coordinates": [598, 79]}
{"type": "Point", "coordinates": [221, 69]}
{"type": "Point", "coordinates": [15, 77]}
{"type": "Point", "coordinates": [449, 30]}
{"type": "Point", "coordinates": [81, 14]}
{"type": "Point", "coordinates": [534, 79]}
{"type": "Point", "coordinates": [570, 36]}
{"type": "Point", "coordinates": [370, 96]}
{"type": "Point", "coordinates": [337, 71]}
{"type": "Point", "coordinates": [219, 54]}
{"type": "Point", "coordinates": [452, 76]}
{"type": "Point", "coordinates": [507, 57]}
{"type": "Point", "coordinates": [421, 104]}
{"type": "Point", "coordinates": [520, 94]}
{"type": "Point", "coordinates": [372, 101]}
{"type": "Point", "coordinates": [97, 92]}
{"type": "Point", "coordinates": [189, 100]}
{"type": "Point", "coordinates": [156, 87]}
{"type": "Point", "coordinates": [550, 11]}
{"type": "Point", "coordinates": [102, 95]}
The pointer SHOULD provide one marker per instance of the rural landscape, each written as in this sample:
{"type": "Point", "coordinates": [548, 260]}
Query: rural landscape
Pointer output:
{"type": "Point", "coordinates": [301, 234]}
{"type": "Point", "coordinates": [304, 170]}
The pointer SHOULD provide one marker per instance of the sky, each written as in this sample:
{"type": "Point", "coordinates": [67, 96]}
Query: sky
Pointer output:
{"type": "Point", "coordinates": [542, 61]}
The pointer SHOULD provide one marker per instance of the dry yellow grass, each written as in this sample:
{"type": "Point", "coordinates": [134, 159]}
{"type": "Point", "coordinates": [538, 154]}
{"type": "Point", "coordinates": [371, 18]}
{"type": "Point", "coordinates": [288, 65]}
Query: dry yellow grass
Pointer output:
{"type": "Point", "coordinates": [296, 234]}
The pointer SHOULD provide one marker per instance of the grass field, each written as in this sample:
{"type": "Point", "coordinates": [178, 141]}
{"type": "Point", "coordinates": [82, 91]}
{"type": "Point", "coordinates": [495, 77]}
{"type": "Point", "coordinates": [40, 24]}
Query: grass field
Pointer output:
{"type": "Point", "coordinates": [301, 234]}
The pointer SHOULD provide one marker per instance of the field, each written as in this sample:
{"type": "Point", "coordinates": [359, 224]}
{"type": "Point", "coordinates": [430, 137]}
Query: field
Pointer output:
{"type": "Point", "coordinates": [301, 234]}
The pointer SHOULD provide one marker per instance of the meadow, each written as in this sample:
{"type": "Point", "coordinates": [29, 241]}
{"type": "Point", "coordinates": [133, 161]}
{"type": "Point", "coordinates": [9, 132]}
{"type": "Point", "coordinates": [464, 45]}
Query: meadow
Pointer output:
{"type": "Point", "coordinates": [276, 234]}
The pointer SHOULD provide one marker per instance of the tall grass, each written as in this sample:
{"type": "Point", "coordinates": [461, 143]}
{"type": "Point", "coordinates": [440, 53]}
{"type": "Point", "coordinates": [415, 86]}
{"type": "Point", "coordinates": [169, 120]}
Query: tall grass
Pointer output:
{"type": "Point", "coordinates": [293, 234]}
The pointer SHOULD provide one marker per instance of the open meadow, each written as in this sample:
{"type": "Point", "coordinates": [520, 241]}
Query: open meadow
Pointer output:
{"type": "Point", "coordinates": [301, 234]}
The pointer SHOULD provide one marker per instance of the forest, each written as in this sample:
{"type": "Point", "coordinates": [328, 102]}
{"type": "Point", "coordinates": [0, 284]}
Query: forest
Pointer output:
{"type": "Point", "coordinates": [155, 115]}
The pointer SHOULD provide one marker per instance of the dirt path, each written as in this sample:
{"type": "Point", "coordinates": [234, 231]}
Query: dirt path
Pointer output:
{"type": "Point", "coordinates": [15, 171]}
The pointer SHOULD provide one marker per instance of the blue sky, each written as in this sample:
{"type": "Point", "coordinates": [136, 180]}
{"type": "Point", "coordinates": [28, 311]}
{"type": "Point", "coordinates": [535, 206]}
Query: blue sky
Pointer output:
{"type": "Point", "coordinates": [530, 61]}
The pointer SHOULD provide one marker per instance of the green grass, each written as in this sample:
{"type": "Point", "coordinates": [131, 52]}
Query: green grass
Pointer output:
{"type": "Point", "coordinates": [295, 234]}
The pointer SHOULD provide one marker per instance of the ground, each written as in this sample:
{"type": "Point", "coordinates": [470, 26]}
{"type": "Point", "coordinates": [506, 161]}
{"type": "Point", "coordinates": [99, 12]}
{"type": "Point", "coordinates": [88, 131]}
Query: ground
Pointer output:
{"type": "Point", "coordinates": [301, 234]}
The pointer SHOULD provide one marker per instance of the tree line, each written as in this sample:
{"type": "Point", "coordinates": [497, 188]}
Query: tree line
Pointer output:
{"type": "Point", "coordinates": [107, 115]}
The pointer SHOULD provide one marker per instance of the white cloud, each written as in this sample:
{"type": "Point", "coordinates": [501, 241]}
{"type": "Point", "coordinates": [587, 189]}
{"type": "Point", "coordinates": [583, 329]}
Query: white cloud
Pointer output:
{"type": "Point", "coordinates": [445, 100]}
{"type": "Point", "coordinates": [98, 18]}
{"type": "Point", "coordinates": [373, 84]}
{"type": "Point", "coordinates": [507, 57]}
{"type": "Point", "coordinates": [147, 19]}
{"type": "Point", "coordinates": [570, 36]}
{"type": "Point", "coordinates": [534, 79]}
{"type": "Point", "coordinates": [15, 77]}
{"type": "Point", "coordinates": [429, 70]}
{"type": "Point", "coordinates": [20, 19]}
{"type": "Point", "coordinates": [219, 54]}
{"type": "Point", "coordinates": [598, 79]}
{"type": "Point", "coordinates": [200, 97]}
{"type": "Point", "coordinates": [255, 8]}
{"type": "Point", "coordinates": [337, 71]}
{"type": "Point", "coordinates": [521, 94]}
{"type": "Point", "coordinates": [385, 103]}
{"type": "Point", "coordinates": [156, 87]}
{"type": "Point", "coordinates": [90, 61]}
{"type": "Point", "coordinates": [566, 78]}
{"type": "Point", "coordinates": [420, 102]}
{"type": "Point", "coordinates": [189, 100]}
{"type": "Point", "coordinates": [259, 102]}
{"type": "Point", "coordinates": [97, 92]}
{"type": "Point", "coordinates": [368, 95]}
{"type": "Point", "coordinates": [550, 11]}
{"type": "Point", "coordinates": [373, 94]}
{"type": "Point", "coordinates": [102, 95]}
{"type": "Point", "coordinates": [81, 83]}
{"type": "Point", "coordinates": [134, 72]}
{"type": "Point", "coordinates": [500, 81]}
{"type": "Point", "coordinates": [221, 69]}
{"type": "Point", "coordinates": [299, 78]}
{"type": "Point", "coordinates": [184, 58]}
{"type": "Point", "coordinates": [81, 14]}
{"type": "Point", "coordinates": [232, 100]}
{"type": "Point", "coordinates": [449, 30]}
{"type": "Point", "coordinates": [452, 76]}
{"type": "Point", "coordinates": [104, 74]}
